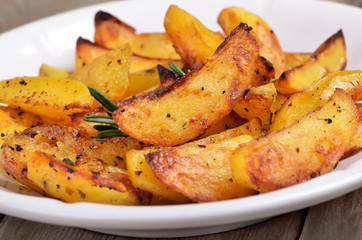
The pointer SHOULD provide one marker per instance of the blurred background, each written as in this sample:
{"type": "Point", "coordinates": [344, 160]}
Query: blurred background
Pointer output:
{"type": "Point", "coordinates": [14, 13]}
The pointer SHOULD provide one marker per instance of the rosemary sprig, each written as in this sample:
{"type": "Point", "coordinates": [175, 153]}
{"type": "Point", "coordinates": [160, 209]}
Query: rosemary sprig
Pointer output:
{"type": "Point", "coordinates": [108, 127]}
{"type": "Point", "coordinates": [175, 68]}
{"type": "Point", "coordinates": [102, 99]}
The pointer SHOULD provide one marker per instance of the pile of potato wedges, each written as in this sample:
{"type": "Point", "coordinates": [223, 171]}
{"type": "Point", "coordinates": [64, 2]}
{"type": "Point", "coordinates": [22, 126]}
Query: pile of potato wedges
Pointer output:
{"type": "Point", "coordinates": [241, 117]}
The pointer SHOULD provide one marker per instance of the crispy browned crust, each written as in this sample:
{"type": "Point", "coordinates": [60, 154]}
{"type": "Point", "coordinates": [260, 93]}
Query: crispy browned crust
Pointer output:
{"type": "Point", "coordinates": [102, 17]}
{"type": "Point", "coordinates": [140, 116]}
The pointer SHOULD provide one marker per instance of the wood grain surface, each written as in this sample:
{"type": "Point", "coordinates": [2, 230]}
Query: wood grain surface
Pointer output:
{"type": "Point", "coordinates": [340, 218]}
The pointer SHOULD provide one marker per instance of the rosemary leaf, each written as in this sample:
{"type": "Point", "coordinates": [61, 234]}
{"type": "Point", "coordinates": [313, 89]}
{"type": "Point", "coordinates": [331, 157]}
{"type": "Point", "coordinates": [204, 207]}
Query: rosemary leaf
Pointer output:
{"type": "Point", "coordinates": [68, 161]}
{"type": "Point", "coordinates": [175, 68]}
{"type": "Point", "coordinates": [100, 119]}
{"type": "Point", "coordinates": [102, 99]}
{"type": "Point", "coordinates": [105, 127]}
{"type": "Point", "coordinates": [111, 133]}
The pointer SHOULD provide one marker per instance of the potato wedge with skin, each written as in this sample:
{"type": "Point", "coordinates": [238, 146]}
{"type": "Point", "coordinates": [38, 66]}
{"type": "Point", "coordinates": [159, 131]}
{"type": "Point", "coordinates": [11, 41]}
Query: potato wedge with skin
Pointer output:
{"type": "Point", "coordinates": [267, 40]}
{"type": "Point", "coordinates": [296, 154]}
{"type": "Point", "coordinates": [193, 41]}
{"type": "Point", "coordinates": [143, 177]}
{"type": "Point", "coordinates": [200, 172]}
{"type": "Point", "coordinates": [329, 57]}
{"type": "Point", "coordinates": [71, 184]}
{"type": "Point", "coordinates": [110, 32]}
{"type": "Point", "coordinates": [317, 95]}
{"type": "Point", "coordinates": [186, 109]}
{"type": "Point", "coordinates": [51, 98]}
{"type": "Point", "coordinates": [87, 52]}
{"type": "Point", "coordinates": [108, 73]}
{"type": "Point", "coordinates": [258, 102]}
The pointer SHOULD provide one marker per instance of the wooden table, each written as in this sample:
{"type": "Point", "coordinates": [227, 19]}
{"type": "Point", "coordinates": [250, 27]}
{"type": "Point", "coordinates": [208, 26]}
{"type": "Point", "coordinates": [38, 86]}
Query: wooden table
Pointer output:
{"type": "Point", "coordinates": [340, 218]}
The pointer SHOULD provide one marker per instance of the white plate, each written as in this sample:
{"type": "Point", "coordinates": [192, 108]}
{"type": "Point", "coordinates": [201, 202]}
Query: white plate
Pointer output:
{"type": "Point", "coordinates": [300, 25]}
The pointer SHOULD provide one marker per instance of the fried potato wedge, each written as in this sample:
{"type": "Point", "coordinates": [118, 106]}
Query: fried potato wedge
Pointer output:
{"type": "Point", "coordinates": [317, 95]}
{"type": "Point", "coordinates": [87, 52]}
{"type": "Point", "coordinates": [51, 98]}
{"type": "Point", "coordinates": [258, 102]}
{"type": "Point", "coordinates": [83, 166]}
{"type": "Point", "coordinates": [110, 32]}
{"type": "Point", "coordinates": [329, 57]}
{"type": "Point", "coordinates": [293, 59]}
{"type": "Point", "coordinates": [108, 73]}
{"type": "Point", "coordinates": [201, 172]}
{"type": "Point", "coordinates": [296, 154]}
{"type": "Point", "coordinates": [52, 72]}
{"type": "Point", "coordinates": [71, 184]}
{"type": "Point", "coordinates": [267, 40]}
{"type": "Point", "coordinates": [143, 177]}
{"type": "Point", "coordinates": [194, 103]}
{"type": "Point", "coordinates": [193, 41]}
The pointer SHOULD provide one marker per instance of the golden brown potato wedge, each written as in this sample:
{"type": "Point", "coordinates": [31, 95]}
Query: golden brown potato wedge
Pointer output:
{"type": "Point", "coordinates": [110, 32]}
{"type": "Point", "coordinates": [52, 72]}
{"type": "Point", "coordinates": [267, 40]}
{"type": "Point", "coordinates": [72, 184]}
{"type": "Point", "coordinates": [143, 177]}
{"type": "Point", "coordinates": [59, 162]}
{"type": "Point", "coordinates": [296, 154]}
{"type": "Point", "coordinates": [316, 96]}
{"type": "Point", "coordinates": [200, 172]}
{"type": "Point", "coordinates": [108, 73]}
{"type": "Point", "coordinates": [329, 57]}
{"type": "Point", "coordinates": [186, 109]}
{"type": "Point", "coordinates": [87, 52]}
{"type": "Point", "coordinates": [293, 59]}
{"type": "Point", "coordinates": [258, 102]}
{"type": "Point", "coordinates": [193, 41]}
{"type": "Point", "coordinates": [51, 98]}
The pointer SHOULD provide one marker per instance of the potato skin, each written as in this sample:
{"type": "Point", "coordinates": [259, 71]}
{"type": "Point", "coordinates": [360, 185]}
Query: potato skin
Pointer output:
{"type": "Point", "coordinates": [184, 110]}
{"type": "Point", "coordinates": [296, 154]}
